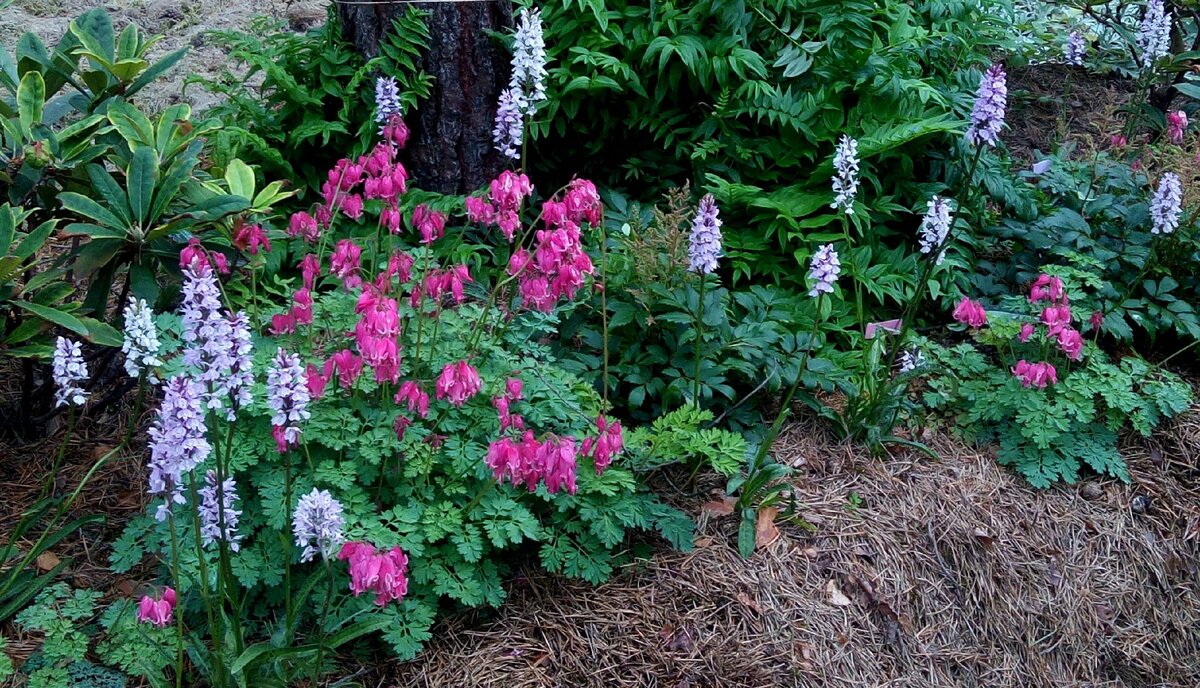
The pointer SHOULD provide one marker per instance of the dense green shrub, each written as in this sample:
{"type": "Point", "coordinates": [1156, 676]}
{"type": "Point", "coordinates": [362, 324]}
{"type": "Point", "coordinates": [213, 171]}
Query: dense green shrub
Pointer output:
{"type": "Point", "coordinates": [756, 94]}
{"type": "Point", "coordinates": [296, 103]}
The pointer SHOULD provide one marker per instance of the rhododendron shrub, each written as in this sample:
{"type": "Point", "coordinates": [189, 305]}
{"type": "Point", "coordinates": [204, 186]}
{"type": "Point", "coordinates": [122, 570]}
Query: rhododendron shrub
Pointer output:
{"type": "Point", "coordinates": [398, 423]}
{"type": "Point", "coordinates": [1035, 382]}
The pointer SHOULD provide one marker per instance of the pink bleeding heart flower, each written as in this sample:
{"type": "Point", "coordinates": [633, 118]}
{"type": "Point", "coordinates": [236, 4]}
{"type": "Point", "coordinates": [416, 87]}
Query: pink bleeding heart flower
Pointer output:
{"type": "Point", "coordinates": [1177, 122]}
{"type": "Point", "coordinates": [1071, 343]}
{"type": "Point", "coordinates": [970, 313]}
{"type": "Point", "coordinates": [1056, 318]}
{"type": "Point", "coordinates": [429, 223]}
{"type": "Point", "coordinates": [383, 573]}
{"type": "Point", "coordinates": [1035, 374]}
{"type": "Point", "coordinates": [157, 611]}
{"type": "Point", "coordinates": [250, 239]}
{"type": "Point", "coordinates": [1026, 332]}
{"type": "Point", "coordinates": [458, 383]}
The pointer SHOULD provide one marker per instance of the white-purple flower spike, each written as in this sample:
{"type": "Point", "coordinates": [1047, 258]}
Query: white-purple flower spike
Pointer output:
{"type": "Point", "coordinates": [991, 101]}
{"type": "Point", "coordinates": [69, 370]}
{"type": "Point", "coordinates": [207, 335]}
{"type": "Point", "coordinates": [1167, 204]}
{"type": "Point", "coordinates": [704, 244]}
{"type": "Point", "coordinates": [1075, 50]}
{"type": "Point", "coordinates": [216, 505]}
{"type": "Point", "coordinates": [528, 79]}
{"type": "Point", "coordinates": [845, 174]}
{"type": "Point", "coordinates": [910, 360]}
{"type": "Point", "coordinates": [824, 270]}
{"type": "Point", "coordinates": [1154, 37]}
{"type": "Point", "coordinates": [509, 131]}
{"type": "Point", "coordinates": [935, 227]}
{"type": "Point", "coordinates": [178, 441]}
{"type": "Point", "coordinates": [241, 377]}
{"type": "Point", "coordinates": [387, 98]}
{"type": "Point", "coordinates": [141, 345]}
{"type": "Point", "coordinates": [287, 397]}
{"type": "Point", "coordinates": [317, 525]}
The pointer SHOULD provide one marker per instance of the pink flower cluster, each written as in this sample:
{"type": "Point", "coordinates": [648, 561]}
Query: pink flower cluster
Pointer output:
{"type": "Point", "coordinates": [429, 223]}
{"type": "Point", "coordinates": [383, 573]}
{"type": "Point", "coordinates": [1035, 374]}
{"type": "Point", "coordinates": [345, 263]}
{"type": "Point", "coordinates": [200, 260]}
{"type": "Point", "coordinates": [503, 403]}
{"type": "Point", "coordinates": [439, 282]}
{"type": "Point", "coordinates": [1177, 122]}
{"type": "Point", "coordinates": [157, 611]}
{"type": "Point", "coordinates": [502, 207]}
{"type": "Point", "coordinates": [970, 313]}
{"type": "Point", "coordinates": [376, 333]}
{"type": "Point", "coordinates": [529, 462]}
{"type": "Point", "coordinates": [458, 383]}
{"type": "Point", "coordinates": [378, 175]}
{"type": "Point", "coordinates": [301, 313]}
{"type": "Point", "coordinates": [608, 442]}
{"type": "Point", "coordinates": [250, 238]}
{"type": "Point", "coordinates": [1056, 316]}
{"type": "Point", "coordinates": [417, 399]}
{"type": "Point", "coordinates": [558, 265]}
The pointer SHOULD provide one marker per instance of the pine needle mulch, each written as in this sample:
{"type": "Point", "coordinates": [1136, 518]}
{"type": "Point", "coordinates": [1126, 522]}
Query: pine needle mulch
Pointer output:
{"type": "Point", "coordinates": [912, 572]}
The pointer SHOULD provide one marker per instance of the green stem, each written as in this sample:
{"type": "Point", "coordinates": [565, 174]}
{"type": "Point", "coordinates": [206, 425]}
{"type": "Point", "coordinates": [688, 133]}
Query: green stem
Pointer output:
{"type": "Point", "coordinates": [478, 496]}
{"type": "Point", "coordinates": [786, 406]}
{"type": "Point", "coordinates": [48, 487]}
{"type": "Point", "coordinates": [179, 607]}
{"type": "Point", "coordinates": [699, 341]}
{"type": "Point", "coordinates": [289, 611]}
{"type": "Point", "coordinates": [321, 625]}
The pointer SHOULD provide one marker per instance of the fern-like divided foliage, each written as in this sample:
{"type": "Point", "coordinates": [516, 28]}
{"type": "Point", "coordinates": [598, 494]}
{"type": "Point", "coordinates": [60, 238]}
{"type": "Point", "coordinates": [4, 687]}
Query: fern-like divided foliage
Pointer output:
{"type": "Point", "coordinates": [428, 489]}
{"type": "Point", "coordinates": [315, 102]}
{"type": "Point", "coordinates": [757, 94]}
{"type": "Point", "coordinates": [1053, 434]}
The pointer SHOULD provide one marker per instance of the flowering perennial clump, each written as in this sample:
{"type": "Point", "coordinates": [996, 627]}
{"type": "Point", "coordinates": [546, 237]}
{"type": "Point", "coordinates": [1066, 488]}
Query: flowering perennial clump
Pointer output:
{"type": "Point", "coordinates": [287, 397]}
{"type": "Point", "coordinates": [608, 442]}
{"type": "Point", "coordinates": [845, 174]}
{"type": "Point", "coordinates": [383, 573]}
{"type": "Point", "coordinates": [218, 518]}
{"type": "Point", "coordinates": [704, 244]}
{"type": "Point", "coordinates": [935, 227]}
{"type": "Point", "coordinates": [317, 524]}
{"type": "Point", "coordinates": [69, 370]}
{"type": "Point", "coordinates": [141, 345]}
{"type": "Point", "coordinates": [178, 441]}
{"type": "Point", "coordinates": [824, 270]}
{"type": "Point", "coordinates": [1154, 37]}
{"type": "Point", "coordinates": [1075, 49]}
{"type": "Point", "coordinates": [987, 116]}
{"type": "Point", "coordinates": [1167, 204]}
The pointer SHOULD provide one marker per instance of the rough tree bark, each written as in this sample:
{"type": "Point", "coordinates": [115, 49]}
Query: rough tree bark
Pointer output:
{"type": "Point", "coordinates": [450, 150]}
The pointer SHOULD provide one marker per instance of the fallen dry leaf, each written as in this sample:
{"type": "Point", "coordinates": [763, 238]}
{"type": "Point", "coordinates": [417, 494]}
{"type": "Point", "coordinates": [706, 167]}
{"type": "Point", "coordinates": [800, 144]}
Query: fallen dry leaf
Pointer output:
{"type": "Point", "coordinates": [984, 537]}
{"type": "Point", "coordinates": [47, 561]}
{"type": "Point", "coordinates": [99, 451]}
{"type": "Point", "coordinates": [703, 542]}
{"type": "Point", "coordinates": [765, 531]}
{"type": "Point", "coordinates": [721, 507]}
{"type": "Point", "coordinates": [749, 603]}
{"type": "Point", "coordinates": [834, 595]}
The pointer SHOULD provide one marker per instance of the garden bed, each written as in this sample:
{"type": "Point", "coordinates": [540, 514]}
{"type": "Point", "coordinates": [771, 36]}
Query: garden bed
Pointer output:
{"type": "Point", "coordinates": [947, 573]}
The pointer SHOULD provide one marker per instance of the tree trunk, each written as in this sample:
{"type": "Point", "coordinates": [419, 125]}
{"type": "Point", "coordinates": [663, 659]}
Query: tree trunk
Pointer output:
{"type": "Point", "coordinates": [450, 149]}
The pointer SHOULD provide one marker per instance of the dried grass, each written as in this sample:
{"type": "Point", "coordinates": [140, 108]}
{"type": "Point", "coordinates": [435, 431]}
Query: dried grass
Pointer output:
{"type": "Point", "coordinates": [949, 573]}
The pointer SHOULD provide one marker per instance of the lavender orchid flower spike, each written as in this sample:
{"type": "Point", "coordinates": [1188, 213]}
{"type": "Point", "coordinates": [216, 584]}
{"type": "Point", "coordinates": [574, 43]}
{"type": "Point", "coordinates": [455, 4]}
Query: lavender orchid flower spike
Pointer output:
{"type": "Point", "coordinates": [845, 175]}
{"type": "Point", "coordinates": [178, 441]}
{"type": "Point", "coordinates": [824, 270]}
{"type": "Point", "coordinates": [1167, 204]}
{"type": "Point", "coordinates": [69, 371]}
{"type": "Point", "coordinates": [1154, 37]}
{"type": "Point", "coordinates": [1075, 50]}
{"type": "Point", "coordinates": [704, 244]}
{"type": "Point", "coordinates": [141, 345]}
{"type": "Point", "coordinates": [991, 101]}
{"type": "Point", "coordinates": [387, 98]}
{"type": "Point", "coordinates": [935, 227]}
{"type": "Point", "coordinates": [317, 525]}
{"type": "Point", "coordinates": [218, 518]}
{"type": "Point", "coordinates": [526, 85]}
{"type": "Point", "coordinates": [287, 397]}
